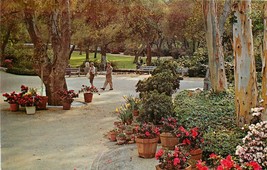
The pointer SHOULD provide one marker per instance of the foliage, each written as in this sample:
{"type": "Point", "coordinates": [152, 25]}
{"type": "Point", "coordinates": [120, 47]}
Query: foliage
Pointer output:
{"type": "Point", "coordinates": [155, 106]}
{"type": "Point", "coordinates": [133, 102]}
{"type": "Point", "coordinates": [147, 131]}
{"type": "Point", "coordinates": [222, 142]}
{"type": "Point", "coordinates": [172, 160]}
{"type": "Point", "coordinates": [205, 109]}
{"type": "Point", "coordinates": [254, 145]}
{"type": "Point", "coordinates": [192, 139]}
{"type": "Point", "coordinates": [67, 95]}
{"type": "Point", "coordinates": [169, 124]}
{"type": "Point", "coordinates": [164, 82]}
{"type": "Point", "coordinates": [197, 63]}
{"type": "Point", "coordinates": [125, 114]}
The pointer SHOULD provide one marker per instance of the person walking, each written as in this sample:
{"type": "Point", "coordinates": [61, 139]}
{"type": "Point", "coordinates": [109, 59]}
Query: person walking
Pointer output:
{"type": "Point", "coordinates": [109, 70]}
{"type": "Point", "coordinates": [91, 74]}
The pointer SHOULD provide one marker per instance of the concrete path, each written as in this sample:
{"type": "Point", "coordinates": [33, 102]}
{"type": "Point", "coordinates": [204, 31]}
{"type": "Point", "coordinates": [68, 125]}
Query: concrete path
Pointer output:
{"type": "Point", "coordinates": [73, 139]}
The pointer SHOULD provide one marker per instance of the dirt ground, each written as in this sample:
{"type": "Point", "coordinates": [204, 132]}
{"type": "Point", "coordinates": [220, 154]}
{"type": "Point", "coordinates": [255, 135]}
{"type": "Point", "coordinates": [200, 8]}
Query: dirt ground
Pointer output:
{"type": "Point", "coordinates": [67, 139]}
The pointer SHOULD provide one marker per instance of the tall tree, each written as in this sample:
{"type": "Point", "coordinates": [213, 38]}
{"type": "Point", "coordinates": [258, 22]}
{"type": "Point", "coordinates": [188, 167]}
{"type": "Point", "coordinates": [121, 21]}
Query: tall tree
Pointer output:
{"type": "Point", "coordinates": [264, 62]}
{"type": "Point", "coordinates": [50, 69]}
{"type": "Point", "coordinates": [245, 71]}
{"type": "Point", "coordinates": [214, 45]}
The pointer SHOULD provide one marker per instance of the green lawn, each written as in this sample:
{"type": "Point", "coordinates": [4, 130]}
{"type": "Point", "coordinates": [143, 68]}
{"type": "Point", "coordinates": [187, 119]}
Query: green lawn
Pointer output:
{"type": "Point", "coordinates": [123, 61]}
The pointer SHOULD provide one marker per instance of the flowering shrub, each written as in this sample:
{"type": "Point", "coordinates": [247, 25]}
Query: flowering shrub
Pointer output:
{"type": "Point", "coordinates": [171, 160]}
{"type": "Point", "coordinates": [191, 139]}
{"type": "Point", "coordinates": [227, 163]}
{"type": "Point", "coordinates": [87, 89]}
{"type": "Point", "coordinates": [256, 113]}
{"type": "Point", "coordinates": [29, 100]}
{"type": "Point", "coordinates": [254, 146]}
{"type": "Point", "coordinates": [67, 95]}
{"type": "Point", "coordinates": [12, 98]}
{"type": "Point", "coordinates": [169, 124]}
{"type": "Point", "coordinates": [147, 131]}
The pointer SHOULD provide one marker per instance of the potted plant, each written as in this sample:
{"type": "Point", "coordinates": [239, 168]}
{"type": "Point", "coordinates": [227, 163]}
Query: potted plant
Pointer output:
{"type": "Point", "coordinates": [67, 97]}
{"type": "Point", "coordinates": [134, 103]}
{"type": "Point", "coordinates": [121, 138]}
{"type": "Point", "coordinates": [125, 114]}
{"type": "Point", "coordinates": [170, 160]}
{"type": "Point", "coordinates": [13, 100]}
{"type": "Point", "coordinates": [30, 102]}
{"type": "Point", "coordinates": [88, 92]}
{"type": "Point", "coordinates": [112, 134]}
{"type": "Point", "coordinates": [192, 140]}
{"type": "Point", "coordinates": [147, 140]}
{"type": "Point", "coordinates": [168, 137]}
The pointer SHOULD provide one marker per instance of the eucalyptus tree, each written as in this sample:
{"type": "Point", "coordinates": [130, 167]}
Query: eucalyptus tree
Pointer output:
{"type": "Point", "coordinates": [246, 92]}
{"type": "Point", "coordinates": [214, 45]}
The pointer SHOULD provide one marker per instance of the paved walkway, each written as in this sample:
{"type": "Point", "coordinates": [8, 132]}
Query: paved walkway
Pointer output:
{"type": "Point", "coordinates": [73, 139]}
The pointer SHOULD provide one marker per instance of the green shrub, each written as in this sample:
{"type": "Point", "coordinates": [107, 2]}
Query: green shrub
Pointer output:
{"type": "Point", "coordinates": [155, 106]}
{"type": "Point", "coordinates": [205, 110]}
{"type": "Point", "coordinates": [222, 142]}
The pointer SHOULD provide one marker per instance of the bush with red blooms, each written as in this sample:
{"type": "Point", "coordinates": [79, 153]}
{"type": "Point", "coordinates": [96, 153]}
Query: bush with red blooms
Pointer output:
{"type": "Point", "coordinates": [227, 163]}
{"type": "Point", "coordinates": [172, 160]}
{"type": "Point", "coordinates": [87, 89]}
{"type": "Point", "coordinates": [29, 100]}
{"type": "Point", "coordinates": [193, 139]}
{"type": "Point", "coordinates": [67, 95]}
{"type": "Point", "coordinates": [169, 124]}
{"type": "Point", "coordinates": [147, 131]}
{"type": "Point", "coordinates": [14, 98]}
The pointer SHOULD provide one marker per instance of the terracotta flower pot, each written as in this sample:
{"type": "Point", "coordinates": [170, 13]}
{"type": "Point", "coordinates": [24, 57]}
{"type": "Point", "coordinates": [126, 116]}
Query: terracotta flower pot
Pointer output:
{"type": "Point", "coordinates": [13, 107]}
{"type": "Point", "coordinates": [168, 140]}
{"type": "Point", "coordinates": [147, 147]}
{"type": "Point", "coordinates": [112, 136]}
{"type": "Point", "coordinates": [66, 105]}
{"type": "Point", "coordinates": [196, 154]}
{"type": "Point", "coordinates": [88, 97]}
{"type": "Point", "coordinates": [43, 102]}
{"type": "Point", "coordinates": [121, 140]}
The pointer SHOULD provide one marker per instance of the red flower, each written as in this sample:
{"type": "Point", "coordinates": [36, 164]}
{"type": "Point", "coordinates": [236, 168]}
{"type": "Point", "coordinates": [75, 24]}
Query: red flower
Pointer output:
{"type": "Point", "coordinates": [254, 165]}
{"type": "Point", "coordinates": [201, 165]}
{"type": "Point", "coordinates": [159, 154]}
{"type": "Point", "coordinates": [213, 156]}
{"type": "Point", "coordinates": [194, 132]}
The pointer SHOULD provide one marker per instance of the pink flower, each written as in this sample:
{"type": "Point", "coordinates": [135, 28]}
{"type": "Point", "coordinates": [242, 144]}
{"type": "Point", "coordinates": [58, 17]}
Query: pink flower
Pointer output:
{"type": "Point", "coordinates": [147, 134]}
{"type": "Point", "coordinates": [176, 161]}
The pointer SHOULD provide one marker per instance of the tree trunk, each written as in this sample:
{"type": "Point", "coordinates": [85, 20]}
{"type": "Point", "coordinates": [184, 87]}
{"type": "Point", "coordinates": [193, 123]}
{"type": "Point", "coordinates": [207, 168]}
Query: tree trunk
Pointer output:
{"type": "Point", "coordinates": [71, 51]}
{"type": "Point", "coordinates": [215, 49]}
{"type": "Point", "coordinates": [135, 56]}
{"type": "Point", "coordinates": [104, 56]}
{"type": "Point", "coordinates": [224, 15]}
{"type": "Point", "coordinates": [5, 42]}
{"type": "Point", "coordinates": [148, 54]}
{"type": "Point", "coordinates": [53, 69]}
{"type": "Point", "coordinates": [95, 52]}
{"type": "Point", "coordinates": [87, 54]}
{"type": "Point", "coordinates": [245, 70]}
{"type": "Point", "coordinates": [264, 64]}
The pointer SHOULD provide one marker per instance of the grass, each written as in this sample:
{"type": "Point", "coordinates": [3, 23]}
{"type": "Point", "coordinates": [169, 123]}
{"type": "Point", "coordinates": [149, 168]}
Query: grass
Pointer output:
{"type": "Point", "coordinates": [123, 61]}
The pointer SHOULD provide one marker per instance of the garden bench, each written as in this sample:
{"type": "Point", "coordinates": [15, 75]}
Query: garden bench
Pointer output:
{"type": "Point", "coordinates": [146, 69]}
{"type": "Point", "coordinates": [182, 71]}
{"type": "Point", "coordinates": [69, 71]}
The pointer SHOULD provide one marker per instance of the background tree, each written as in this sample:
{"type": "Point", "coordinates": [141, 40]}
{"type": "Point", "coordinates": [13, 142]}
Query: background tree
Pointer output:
{"type": "Point", "coordinates": [56, 15]}
{"type": "Point", "coordinates": [215, 49]}
{"type": "Point", "coordinates": [245, 72]}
